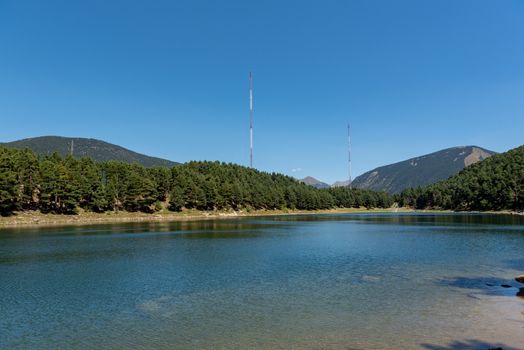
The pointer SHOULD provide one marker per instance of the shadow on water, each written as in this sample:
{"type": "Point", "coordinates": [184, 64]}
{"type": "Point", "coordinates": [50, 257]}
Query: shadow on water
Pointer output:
{"type": "Point", "coordinates": [470, 344]}
{"type": "Point", "coordinates": [484, 285]}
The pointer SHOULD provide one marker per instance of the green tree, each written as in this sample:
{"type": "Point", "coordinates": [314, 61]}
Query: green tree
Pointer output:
{"type": "Point", "coordinates": [8, 182]}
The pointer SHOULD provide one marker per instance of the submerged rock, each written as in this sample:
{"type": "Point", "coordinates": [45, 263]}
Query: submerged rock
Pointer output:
{"type": "Point", "coordinates": [520, 293]}
{"type": "Point", "coordinates": [505, 286]}
{"type": "Point", "coordinates": [368, 278]}
{"type": "Point", "coordinates": [520, 278]}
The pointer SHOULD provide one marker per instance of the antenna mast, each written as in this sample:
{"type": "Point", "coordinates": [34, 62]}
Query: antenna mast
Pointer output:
{"type": "Point", "coordinates": [250, 120]}
{"type": "Point", "coordinates": [72, 147]}
{"type": "Point", "coordinates": [349, 157]}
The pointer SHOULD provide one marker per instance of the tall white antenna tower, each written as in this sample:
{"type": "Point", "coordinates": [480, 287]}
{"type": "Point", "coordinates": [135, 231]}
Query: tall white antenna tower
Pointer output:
{"type": "Point", "coordinates": [349, 156]}
{"type": "Point", "coordinates": [250, 120]}
{"type": "Point", "coordinates": [72, 146]}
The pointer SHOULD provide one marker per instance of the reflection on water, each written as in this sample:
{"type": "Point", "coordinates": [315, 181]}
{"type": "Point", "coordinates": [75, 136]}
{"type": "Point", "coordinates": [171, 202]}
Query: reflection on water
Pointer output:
{"type": "Point", "coordinates": [353, 281]}
{"type": "Point", "coordinates": [469, 344]}
{"type": "Point", "coordinates": [413, 218]}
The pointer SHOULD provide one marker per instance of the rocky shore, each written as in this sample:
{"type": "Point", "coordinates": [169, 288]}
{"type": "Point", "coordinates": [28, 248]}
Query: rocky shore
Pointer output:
{"type": "Point", "coordinates": [38, 219]}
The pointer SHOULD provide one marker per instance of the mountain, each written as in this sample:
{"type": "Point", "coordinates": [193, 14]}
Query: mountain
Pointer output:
{"type": "Point", "coordinates": [421, 171]}
{"type": "Point", "coordinates": [311, 181]}
{"type": "Point", "coordinates": [83, 147]}
{"type": "Point", "coordinates": [494, 184]}
{"type": "Point", "coordinates": [341, 183]}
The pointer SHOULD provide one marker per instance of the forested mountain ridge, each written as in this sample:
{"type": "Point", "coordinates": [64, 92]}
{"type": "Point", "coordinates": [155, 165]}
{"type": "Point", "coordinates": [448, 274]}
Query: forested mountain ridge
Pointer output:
{"type": "Point", "coordinates": [84, 147]}
{"type": "Point", "coordinates": [421, 171]}
{"type": "Point", "coordinates": [496, 183]}
{"type": "Point", "coordinates": [63, 185]}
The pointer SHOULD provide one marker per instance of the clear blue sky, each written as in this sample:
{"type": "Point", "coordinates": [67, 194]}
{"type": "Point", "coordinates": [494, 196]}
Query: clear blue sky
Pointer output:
{"type": "Point", "coordinates": [170, 78]}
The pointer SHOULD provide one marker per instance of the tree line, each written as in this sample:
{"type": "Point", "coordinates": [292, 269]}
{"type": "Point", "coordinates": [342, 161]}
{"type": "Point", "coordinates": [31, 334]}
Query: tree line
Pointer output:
{"type": "Point", "coordinates": [496, 183]}
{"type": "Point", "coordinates": [54, 184]}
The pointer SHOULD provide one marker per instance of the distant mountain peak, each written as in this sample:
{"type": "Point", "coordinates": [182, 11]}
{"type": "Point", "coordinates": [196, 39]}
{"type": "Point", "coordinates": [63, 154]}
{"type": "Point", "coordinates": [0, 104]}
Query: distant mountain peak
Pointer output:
{"type": "Point", "coordinates": [311, 181]}
{"type": "Point", "coordinates": [86, 147]}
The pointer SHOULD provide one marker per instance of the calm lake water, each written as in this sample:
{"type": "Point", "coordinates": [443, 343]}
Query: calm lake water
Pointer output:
{"type": "Point", "coordinates": [365, 281]}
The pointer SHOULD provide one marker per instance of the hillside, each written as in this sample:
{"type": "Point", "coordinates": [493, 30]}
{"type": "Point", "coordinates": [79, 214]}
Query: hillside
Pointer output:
{"type": "Point", "coordinates": [421, 171]}
{"type": "Point", "coordinates": [311, 181]}
{"type": "Point", "coordinates": [494, 184]}
{"type": "Point", "coordinates": [83, 147]}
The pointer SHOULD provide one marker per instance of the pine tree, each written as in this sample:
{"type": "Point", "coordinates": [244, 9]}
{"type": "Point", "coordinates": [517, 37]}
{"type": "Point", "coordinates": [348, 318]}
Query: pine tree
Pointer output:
{"type": "Point", "coordinates": [9, 191]}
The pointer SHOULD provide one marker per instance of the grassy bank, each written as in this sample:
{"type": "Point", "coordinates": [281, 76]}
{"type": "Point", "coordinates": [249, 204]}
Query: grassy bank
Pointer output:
{"type": "Point", "coordinates": [35, 218]}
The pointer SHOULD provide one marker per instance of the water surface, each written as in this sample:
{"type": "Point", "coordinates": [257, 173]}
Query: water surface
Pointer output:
{"type": "Point", "coordinates": [360, 281]}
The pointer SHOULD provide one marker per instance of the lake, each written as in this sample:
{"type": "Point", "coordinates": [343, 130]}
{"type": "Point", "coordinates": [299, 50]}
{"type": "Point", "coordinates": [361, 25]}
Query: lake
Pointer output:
{"type": "Point", "coordinates": [349, 281]}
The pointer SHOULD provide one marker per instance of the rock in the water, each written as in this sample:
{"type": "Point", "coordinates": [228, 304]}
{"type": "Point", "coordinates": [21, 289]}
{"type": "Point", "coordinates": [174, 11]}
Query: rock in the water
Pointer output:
{"type": "Point", "coordinates": [505, 286]}
{"type": "Point", "coordinates": [520, 278]}
{"type": "Point", "coordinates": [520, 293]}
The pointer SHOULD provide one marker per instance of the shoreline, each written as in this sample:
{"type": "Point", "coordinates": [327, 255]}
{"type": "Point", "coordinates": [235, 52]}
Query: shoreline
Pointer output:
{"type": "Point", "coordinates": [36, 219]}
{"type": "Point", "coordinates": [30, 219]}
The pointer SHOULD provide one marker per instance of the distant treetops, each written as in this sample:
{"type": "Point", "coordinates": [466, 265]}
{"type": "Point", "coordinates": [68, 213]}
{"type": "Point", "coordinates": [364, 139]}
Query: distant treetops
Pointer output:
{"type": "Point", "coordinates": [63, 185]}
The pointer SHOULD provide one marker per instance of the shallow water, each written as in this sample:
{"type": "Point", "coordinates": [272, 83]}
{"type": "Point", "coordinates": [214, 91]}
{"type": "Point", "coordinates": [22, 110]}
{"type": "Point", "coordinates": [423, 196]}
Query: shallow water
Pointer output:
{"type": "Point", "coordinates": [361, 281]}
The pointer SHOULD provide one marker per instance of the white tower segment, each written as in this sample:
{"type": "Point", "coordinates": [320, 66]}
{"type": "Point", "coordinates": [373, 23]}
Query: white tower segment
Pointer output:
{"type": "Point", "coordinates": [250, 120]}
{"type": "Point", "coordinates": [349, 157]}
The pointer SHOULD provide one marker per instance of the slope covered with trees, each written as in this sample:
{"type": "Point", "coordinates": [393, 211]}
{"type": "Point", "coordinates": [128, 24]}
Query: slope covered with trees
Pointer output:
{"type": "Point", "coordinates": [496, 183]}
{"type": "Point", "coordinates": [421, 171]}
{"type": "Point", "coordinates": [63, 185]}
{"type": "Point", "coordinates": [82, 147]}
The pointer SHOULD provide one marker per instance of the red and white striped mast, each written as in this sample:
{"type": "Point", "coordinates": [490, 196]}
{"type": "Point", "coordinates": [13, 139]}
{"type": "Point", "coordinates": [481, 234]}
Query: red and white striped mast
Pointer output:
{"type": "Point", "coordinates": [250, 120]}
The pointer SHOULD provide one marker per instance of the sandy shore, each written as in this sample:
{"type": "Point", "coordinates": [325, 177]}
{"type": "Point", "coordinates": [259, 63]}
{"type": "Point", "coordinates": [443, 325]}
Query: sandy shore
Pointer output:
{"type": "Point", "coordinates": [37, 219]}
